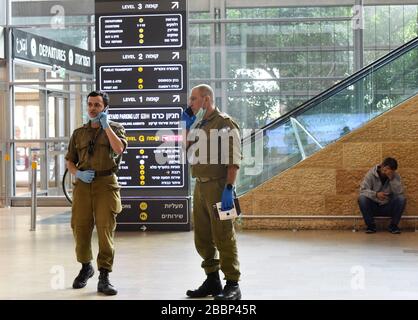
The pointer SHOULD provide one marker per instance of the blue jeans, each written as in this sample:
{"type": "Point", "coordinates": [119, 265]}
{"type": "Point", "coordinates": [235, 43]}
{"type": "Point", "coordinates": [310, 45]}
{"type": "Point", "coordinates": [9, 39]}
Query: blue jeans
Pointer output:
{"type": "Point", "coordinates": [370, 209]}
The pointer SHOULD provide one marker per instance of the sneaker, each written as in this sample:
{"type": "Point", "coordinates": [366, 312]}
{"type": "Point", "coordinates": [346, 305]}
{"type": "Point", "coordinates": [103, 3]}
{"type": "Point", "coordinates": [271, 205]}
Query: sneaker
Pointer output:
{"type": "Point", "coordinates": [394, 229]}
{"type": "Point", "coordinates": [371, 230]}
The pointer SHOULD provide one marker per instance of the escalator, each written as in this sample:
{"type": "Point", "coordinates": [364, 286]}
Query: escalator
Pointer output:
{"type": "Point", "coordinates": [322, 120]}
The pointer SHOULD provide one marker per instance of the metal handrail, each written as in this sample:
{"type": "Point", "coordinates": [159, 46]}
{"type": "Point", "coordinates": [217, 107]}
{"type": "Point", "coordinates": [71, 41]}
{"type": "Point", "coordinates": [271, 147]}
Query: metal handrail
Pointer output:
{"type": "Point", "coordinates": [291, 20]}
{"type": "Point", "coordinates": [50, 140]}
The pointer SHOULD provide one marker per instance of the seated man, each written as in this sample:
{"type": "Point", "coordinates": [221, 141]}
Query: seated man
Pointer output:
{"type": "Point", "coordinates": [381, 193]}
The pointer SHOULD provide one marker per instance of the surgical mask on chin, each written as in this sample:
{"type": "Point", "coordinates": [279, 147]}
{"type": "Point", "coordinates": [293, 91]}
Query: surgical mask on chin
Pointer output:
{"type": "Point", "coordinates": [200, 114]}
{"type": "Point", "coordinates": [95, 119]}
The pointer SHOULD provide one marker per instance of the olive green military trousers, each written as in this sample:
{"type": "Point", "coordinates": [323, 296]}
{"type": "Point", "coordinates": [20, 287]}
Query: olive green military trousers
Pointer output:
{"type": "Point", "coordinates": [95, 203]}
{"type": "Point", "coordinates": [211, 235]}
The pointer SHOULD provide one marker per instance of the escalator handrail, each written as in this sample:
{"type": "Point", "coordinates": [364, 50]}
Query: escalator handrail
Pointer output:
{"type": "Point", "coordinates": [350, 80]}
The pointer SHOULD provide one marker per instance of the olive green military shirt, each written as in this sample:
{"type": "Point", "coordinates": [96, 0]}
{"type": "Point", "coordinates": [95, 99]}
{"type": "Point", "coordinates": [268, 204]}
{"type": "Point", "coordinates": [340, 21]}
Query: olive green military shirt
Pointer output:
{"type": "Point", "coordinates": [103, 156]}
{"type": "Point", "coordinates": [222, 141]}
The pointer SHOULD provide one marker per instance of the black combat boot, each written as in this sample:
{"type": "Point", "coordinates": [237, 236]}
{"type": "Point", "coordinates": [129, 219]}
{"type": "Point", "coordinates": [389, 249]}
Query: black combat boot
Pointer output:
{"type": "Point", "coordinates": [231, 291]}
{"type": "Point", "coordinates": [211, 286]}
{"type": "Point", "coordinates": [104, 285]}
{"type": "Point", "coordinates": [85, 273]}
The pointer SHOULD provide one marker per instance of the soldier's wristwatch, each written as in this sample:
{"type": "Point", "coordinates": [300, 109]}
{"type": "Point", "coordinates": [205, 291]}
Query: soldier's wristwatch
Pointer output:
{"type": "Point", "coordinates": [229, 186]}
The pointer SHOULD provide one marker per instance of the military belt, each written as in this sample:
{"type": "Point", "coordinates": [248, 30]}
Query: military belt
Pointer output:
{"type": "Point", "coordinates": [103, 173]}
{"type": "Point", "coordinates": [206, 179]}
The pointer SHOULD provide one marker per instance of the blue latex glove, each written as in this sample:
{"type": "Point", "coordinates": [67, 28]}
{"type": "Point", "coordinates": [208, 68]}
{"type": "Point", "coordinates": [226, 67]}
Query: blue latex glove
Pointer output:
{"type": "Point", "coordinates": [85, 176]}
{"type": "Point", "coordinates": [103, 120]}
{"type": "Point", "coordinates": [188, 117]}
{"type": "Point", "coordinates": [227, 199]}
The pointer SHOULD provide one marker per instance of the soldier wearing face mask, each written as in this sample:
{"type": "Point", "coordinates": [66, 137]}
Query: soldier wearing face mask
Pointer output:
{"type": "Point", "coordinates": [215, 182]}
{"type": "Point", "coordinates": [93, 156]}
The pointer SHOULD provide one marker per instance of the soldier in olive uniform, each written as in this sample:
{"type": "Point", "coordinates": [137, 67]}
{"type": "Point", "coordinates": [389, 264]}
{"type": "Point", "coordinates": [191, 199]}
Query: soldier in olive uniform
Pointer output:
{"type": "Point", "coordinates": [93, 155]}
{"type": "Point", "coordinates": [215, 180]}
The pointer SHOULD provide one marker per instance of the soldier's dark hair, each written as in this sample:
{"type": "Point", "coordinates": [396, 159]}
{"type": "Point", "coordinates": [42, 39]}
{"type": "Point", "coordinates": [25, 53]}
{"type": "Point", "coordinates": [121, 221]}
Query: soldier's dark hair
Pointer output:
{"type": "Point", "coordinates": [102, 94]}
{"type": "Point", "coordinates": [391, 163]}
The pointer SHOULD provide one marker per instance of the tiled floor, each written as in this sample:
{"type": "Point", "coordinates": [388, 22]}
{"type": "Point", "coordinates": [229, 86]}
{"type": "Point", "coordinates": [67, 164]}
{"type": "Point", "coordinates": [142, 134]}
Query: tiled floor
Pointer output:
{"type": "Point", "coordinates": [157, 265]}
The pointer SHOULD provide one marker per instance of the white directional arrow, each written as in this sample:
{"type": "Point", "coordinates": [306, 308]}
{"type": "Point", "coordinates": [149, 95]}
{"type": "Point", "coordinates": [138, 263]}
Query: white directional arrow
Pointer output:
{"type": "Point", "coordinates": [176, 55]}
{"type": "Point", "coordinates": [143, 228]}
{"type": "Point", "coordinates": [175, 5]}
{"type": "Point", "coordinates": [176, 98]}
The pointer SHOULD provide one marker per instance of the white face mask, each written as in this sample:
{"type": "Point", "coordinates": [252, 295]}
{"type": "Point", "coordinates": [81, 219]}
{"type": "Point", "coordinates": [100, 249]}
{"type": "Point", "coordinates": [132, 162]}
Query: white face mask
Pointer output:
{"type": "Point", "coordinates": [95, 119]}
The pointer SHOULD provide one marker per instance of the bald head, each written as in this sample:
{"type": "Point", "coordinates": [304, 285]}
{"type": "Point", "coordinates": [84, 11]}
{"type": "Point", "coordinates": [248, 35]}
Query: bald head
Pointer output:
{"type": "Point", "coordinates": [201, 97]}
{"type": "Point", "coordinates": [205, 90]}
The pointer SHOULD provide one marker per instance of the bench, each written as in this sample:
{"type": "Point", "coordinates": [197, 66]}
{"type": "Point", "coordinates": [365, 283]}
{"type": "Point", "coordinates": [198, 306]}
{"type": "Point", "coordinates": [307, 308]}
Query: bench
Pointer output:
{"type": "Point", "coordinates": [314, 217]}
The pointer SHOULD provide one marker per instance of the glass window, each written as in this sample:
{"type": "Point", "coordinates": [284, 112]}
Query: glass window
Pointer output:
{"type": "Point", "coordinates": [282, 64]}
{"type": "Point", "coordinates": [27, 113]}
{"type": "Point", "coordinates": [3, 12]}
{"type": "Point", "coordinates": [411, 22]}
{"type": "Point", "coordinates": [73, 36]}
